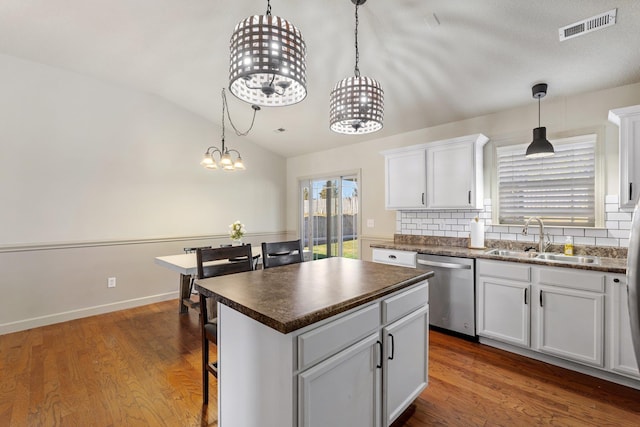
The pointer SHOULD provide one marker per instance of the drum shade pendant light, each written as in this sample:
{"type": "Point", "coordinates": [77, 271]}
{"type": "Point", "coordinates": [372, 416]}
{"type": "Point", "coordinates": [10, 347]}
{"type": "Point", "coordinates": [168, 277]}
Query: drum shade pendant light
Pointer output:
{"type": "Point", "coordinates": [356, 104]}
{"type": "Point", "coordinates": [226, 161]}
{"type": "Point", "coordinates": [540, 147]}
{"type": "Point", "coordinates": [267, 61]}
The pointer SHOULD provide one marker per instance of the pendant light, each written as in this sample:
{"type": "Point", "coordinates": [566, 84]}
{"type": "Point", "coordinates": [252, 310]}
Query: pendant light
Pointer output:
{"type": "Point", "coordinates": [540, 147]}
{"type": "Point", "coordinates": [356, 104]}
{"type": "Point", "coordinates": [267, 61]}
{"type": "Point", "coordinates": [226, 162]}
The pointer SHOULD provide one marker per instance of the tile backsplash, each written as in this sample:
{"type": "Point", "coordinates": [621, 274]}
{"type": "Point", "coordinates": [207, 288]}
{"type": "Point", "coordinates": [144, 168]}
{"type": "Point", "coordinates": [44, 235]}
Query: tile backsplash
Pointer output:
{"type": "Point", "coordinates": [456, 223]}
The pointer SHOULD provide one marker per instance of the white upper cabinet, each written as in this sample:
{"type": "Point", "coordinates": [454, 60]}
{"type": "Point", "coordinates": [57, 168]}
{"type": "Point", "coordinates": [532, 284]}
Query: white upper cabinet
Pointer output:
{"type": "Point", "coordinates": [628, 119]}
{"type": "Point", "coordinates": [454, 173]}
{"type": "Point", "coordinates": [405, 179]}
{"type": "Point", "coordinates": [443, 174]}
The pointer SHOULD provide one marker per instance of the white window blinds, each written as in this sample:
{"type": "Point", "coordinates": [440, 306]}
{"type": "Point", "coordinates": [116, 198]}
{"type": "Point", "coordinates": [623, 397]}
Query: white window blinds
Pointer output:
{"type": "Point", "coordinates": [559, 189]}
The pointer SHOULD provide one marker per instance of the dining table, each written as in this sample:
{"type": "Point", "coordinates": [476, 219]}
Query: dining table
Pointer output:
{"type": "Point", "coordinates": [187, 265]}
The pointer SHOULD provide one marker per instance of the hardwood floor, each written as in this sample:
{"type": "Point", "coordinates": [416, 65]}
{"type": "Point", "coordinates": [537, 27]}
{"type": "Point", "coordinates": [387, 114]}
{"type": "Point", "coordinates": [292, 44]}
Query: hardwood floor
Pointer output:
{"type": "Point", "coordinates": [141, 367]}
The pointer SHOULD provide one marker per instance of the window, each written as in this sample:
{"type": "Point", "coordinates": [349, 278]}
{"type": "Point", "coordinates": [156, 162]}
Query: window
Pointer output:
{"type": "Point", "coordinates": [560, 189]}
{"type": "Point", "coordinates": [329, 209]}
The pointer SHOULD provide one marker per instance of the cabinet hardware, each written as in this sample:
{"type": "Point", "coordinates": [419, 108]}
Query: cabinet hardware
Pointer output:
{"type": "Point", "coordinates": [469, 196]}
{"type": "Point", "coordinates": [392, 257]}
{"type": "Point", "coordinates": [616, 280]}
{"type": "Point", "coordinates": [541, 299]}
{"type": "Point", "coordinates": [379, 365]}
{"type": "Point", "coordinates": [525, 296]}
{"type": "Point", "coordinates": [631, 191]}
{"type": "Point", "coordinates": [423, 198]}
{"type": "Point", "coordinates": [392, 347]}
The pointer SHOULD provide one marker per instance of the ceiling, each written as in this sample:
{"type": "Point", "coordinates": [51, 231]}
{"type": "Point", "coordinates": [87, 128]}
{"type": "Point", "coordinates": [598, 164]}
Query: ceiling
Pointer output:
{"type": "Point", "coordinates": [483, 57]}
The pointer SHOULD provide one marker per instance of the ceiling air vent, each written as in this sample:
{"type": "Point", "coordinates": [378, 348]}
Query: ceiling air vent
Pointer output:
{"type": "Point", "coordinates": [588, 25]}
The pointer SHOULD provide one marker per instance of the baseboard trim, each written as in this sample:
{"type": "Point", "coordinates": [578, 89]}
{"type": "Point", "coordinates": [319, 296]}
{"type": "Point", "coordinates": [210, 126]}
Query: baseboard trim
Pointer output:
{"type": "Point", "coordinates": [50, 319]}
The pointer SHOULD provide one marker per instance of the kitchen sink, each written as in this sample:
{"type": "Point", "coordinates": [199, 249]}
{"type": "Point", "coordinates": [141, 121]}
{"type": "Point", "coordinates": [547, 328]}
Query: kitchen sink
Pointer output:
{"type": "Point", "coordinates": [510, 253]}
{"type": "Point", "coordinates": [568, 259]}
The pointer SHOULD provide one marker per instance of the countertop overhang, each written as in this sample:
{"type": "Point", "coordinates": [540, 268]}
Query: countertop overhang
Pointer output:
{"type": "Point", "coordinates": [293, 296]}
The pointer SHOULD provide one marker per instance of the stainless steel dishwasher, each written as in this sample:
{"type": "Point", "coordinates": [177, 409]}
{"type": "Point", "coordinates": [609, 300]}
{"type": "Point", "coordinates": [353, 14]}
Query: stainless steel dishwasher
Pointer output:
{"type": "Point", "coordinates": [451, 292]}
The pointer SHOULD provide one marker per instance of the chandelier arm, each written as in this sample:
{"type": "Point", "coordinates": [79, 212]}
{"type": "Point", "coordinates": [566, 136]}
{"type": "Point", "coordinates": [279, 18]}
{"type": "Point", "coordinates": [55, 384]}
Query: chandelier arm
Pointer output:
{"type": "Point", "coordinates": [226, 106]}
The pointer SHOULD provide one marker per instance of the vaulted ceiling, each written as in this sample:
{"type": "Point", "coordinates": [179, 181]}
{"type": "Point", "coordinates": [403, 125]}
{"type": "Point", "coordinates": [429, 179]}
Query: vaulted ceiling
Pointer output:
{"type": "Point", "coordinates": [437, 60]}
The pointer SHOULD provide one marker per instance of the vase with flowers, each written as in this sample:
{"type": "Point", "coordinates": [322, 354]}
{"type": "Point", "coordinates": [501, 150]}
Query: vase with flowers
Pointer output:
{"type": "Point", "coordinates": [236, 232]}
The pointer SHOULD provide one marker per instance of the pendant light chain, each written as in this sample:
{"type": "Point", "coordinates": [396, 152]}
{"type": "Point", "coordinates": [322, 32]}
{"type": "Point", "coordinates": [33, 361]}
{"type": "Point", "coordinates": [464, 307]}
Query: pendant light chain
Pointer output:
{"type": "Point", "coordinates": [268, 8]}
{"type": "Point", "coordinates": [225, 106]}
{"type": "Point", "coordinates": [357, 69]}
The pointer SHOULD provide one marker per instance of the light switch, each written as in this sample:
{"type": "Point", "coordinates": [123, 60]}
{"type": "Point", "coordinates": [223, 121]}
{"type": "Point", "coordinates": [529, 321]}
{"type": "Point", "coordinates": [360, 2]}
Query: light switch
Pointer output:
{"type": "Point", "coordinates": [370, 223]}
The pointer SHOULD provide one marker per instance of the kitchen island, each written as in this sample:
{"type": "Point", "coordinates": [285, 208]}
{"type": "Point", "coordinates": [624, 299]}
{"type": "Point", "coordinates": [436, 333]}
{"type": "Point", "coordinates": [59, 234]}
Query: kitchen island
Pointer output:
{"type": "Point", "coordinates": [328, 342]}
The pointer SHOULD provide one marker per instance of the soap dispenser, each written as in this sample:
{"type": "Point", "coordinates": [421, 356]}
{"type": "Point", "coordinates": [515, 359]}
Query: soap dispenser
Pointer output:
{"type": "Point", "coordinates": [568, 245]}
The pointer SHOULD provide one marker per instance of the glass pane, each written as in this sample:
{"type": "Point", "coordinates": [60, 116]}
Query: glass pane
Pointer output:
{"type": "Point", "coordinates": [329, 211]}
{"type": "Point", "coordinates": [350, 217]}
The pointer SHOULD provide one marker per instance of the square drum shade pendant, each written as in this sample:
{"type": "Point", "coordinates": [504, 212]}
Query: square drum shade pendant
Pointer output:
{"type": "Point", "coordinates": [356, 106]}
{"type": "Point", "coordinates": [267, 62]}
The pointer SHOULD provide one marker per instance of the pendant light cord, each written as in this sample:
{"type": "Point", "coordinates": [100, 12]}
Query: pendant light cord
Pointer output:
{"type": "Point", "coordinates": [539, 112]}
{"type": "Point", "coordinates": [357, 69]}
{"type": "Point", "coordinates": [225, 106]}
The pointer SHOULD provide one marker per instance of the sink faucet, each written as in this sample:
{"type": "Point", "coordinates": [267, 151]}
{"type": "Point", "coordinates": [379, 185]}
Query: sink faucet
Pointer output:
{"type": "Point", "coordinates": [542, 245]}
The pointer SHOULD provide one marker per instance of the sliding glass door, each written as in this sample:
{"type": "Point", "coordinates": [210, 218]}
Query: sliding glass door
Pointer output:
{"type": "Point", "coordinates": [329, 220]}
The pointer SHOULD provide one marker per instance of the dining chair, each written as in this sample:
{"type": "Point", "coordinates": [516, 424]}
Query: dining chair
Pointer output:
{"type": "Point", "coordinates": [216, 262]}
{"type": "Point", "coordinates": [275, 254]}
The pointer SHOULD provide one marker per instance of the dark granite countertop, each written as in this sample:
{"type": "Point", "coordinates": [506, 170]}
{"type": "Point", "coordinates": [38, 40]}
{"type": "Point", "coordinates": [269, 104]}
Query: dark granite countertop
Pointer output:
{"type": "Point", "coordinates": [293, 296]}
{"type": "Point", "coordinates": [606, 264]}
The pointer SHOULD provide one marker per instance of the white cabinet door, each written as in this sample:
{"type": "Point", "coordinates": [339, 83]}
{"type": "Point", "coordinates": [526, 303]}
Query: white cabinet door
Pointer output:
{"type": "Point", "coordinates": [571, 324]}
{"type": "Point", "coordinates": [405, 366]}
{"type": "Point", "coordinates": [450, 176]}
{"type": "Point", "coordinates": [628, 119]}
{"type": "Point", "coordinates": [623, 358]}
{"type": "Point", "coordinates": [344, 390]}
{"type": "Point", "coordinates": [405, 180]}
{"type": "Point", "coordinates": [503, 311]}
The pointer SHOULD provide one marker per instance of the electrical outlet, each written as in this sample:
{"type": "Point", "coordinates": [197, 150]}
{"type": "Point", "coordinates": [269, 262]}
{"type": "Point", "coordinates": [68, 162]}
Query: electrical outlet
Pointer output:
{"type": "Point", "coordinates": [111, 282]}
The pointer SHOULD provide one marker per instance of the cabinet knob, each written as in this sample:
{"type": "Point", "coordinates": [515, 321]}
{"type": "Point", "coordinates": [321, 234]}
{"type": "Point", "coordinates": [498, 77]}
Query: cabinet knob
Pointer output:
{"type": "Point", "coordinates": [616, 280]}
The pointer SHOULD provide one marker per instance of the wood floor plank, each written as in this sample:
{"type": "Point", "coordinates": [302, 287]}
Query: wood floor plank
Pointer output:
{"type": "Point", "coordinates": [141, 367]}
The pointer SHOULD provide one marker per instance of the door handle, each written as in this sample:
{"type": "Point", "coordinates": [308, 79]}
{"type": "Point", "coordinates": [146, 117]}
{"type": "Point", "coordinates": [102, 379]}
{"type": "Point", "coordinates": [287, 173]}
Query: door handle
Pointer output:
{"type": "Point", "coordinates": [469, 196]}
{"type": "Point", "coordinates": [631, 191]}
{"type": "Point", "coordinates": [379, 365]}
{"type": "Point", "coordinates": [392, 347]}
{"type": "Point", "coordinates": [444, 265]}
{"type": "Point", "coordinates": [423, 198]}
{"type": "Point", "coordinates": [541, 305]}
{"type": "Point", "coordinates": [525, 296]}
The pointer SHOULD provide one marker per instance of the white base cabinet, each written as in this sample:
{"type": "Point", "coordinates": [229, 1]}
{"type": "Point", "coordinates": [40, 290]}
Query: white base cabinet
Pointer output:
{"type": "Point", "coordinates": [622, 358]}
{"type": "Point", "coordinates": [359, 368]}
{"type": "Point", "coordinates": [405, 362]}
{"type": "Point", "coordinates": [571, 324]}
{"type": "Point", "coordinates": [574, 318]}
{"type": "Point", "coordinates": [503, 300]}
{"type": "Point", "coordinates": [342, 390]}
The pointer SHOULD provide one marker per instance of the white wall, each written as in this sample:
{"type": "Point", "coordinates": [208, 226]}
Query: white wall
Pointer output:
{"type": "Point", "coordinates": [563, 116]}
{"type": "Point", "coordinates": [95, 177]}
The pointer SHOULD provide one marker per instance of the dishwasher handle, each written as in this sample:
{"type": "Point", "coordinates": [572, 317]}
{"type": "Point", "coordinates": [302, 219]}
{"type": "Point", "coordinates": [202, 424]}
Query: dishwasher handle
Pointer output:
{"type": "Point", "coordinates": [449, 265]}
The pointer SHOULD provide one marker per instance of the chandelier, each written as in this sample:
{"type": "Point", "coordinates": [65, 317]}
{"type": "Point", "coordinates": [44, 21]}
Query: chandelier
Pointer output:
{"type": "Point", "coordinates": [267, 61]}
{"type": "Point", "coordinates": [356, 104]}
{"type": "Point", "coordinates": [226, 161]}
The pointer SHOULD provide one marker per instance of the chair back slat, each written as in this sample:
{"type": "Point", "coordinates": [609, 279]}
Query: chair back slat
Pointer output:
{"type": "Point", "coordinates": [233, 259]}
{"type": "Point", "coordinates": [281, 253]}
